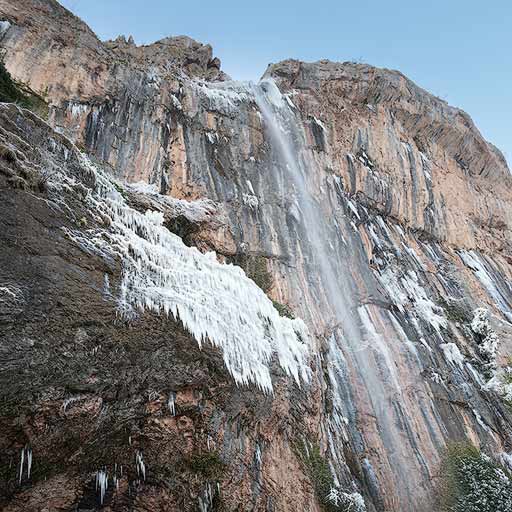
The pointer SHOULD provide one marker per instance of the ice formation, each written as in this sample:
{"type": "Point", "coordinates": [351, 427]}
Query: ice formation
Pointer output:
{"type": "Point", "coordinates": [140, 466]}
{"type": "Point", "coordinates": [480, 420]}
{"type": "Point", "coordinates": [22, 462]}
{"type": "Point", "coordinates": [334, 496]}
{"type": "Point", "coordinates": [452, 354]}
{"type": "Point", "coordinates": [500, 379]}
{"type": "Point", "coordinates": [196, 211]}
{"type": "Point", "coordinates": [215, 301]}
{"type": "Point", "coordinates": [223, 97]}
{"type": "Point", "coordinates": [501, 383]}
{"type": "Point", "coordinates": [4, 27]}
{"type": "Point", "coordinates": [171, 403]}
{"type": "Point", "coordinates": [206, 498]}
{"type": "Point", "coordinates": [506, 460]}
{"type": "Point", "coordinates": [251, 201]}
{"type": "Point", "coordinates": [77, 109]}
{"type": "Point", "coordinates": [101, 484]}
{"type": "Point", "coordinates": [488, 343]}
{"type": "Point", "coordinates": [478, 264]}
{"type": "Point", "coordinates": [11, 298]}
{"type": "Point", "coordinates": [351, 502]}
{"type": "Point", "coordinates": [29, 462]}
{"type": "Point", "coordinates": [25, 457]}
{"type": "Point", "coordinates": [406, 291]}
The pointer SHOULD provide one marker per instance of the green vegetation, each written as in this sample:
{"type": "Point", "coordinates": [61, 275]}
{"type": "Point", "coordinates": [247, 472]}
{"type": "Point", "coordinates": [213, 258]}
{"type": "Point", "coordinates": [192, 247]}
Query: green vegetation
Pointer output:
{"type": "Point", "coordinates": [120, 189]}
{"type": "Point", "coordinates": [208, 464]}
{"type": "Point", "coordinates": [472, 482]}
{"type": "Point", "coordinates": [14, 92]}
{"type": "Point", "coordinates": [256, 269]}
{"type": "Point", "coordinates": [283, 309]}
{"type": "Point", "coordinates": [455, 311]}
{"type": "Point", "coordinates": [318, 471]}
{"type": "Point", "coordinates": [330, 497]}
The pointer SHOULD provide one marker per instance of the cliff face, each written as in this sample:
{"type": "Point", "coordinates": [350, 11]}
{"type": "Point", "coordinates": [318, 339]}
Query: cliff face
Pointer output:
{"type": "Point", "coordinates": [373, 211]}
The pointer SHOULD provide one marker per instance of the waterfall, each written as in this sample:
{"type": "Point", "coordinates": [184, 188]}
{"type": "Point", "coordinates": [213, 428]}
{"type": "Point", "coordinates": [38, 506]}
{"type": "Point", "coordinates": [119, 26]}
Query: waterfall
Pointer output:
{"type": "Point", "coordinates": [285, 132]}
{"type": "Point", "coordinates": [355, 346]}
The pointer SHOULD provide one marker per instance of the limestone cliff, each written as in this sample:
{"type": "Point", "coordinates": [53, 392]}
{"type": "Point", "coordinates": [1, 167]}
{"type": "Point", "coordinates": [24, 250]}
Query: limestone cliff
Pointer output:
{"type": "Point", "coordinates": [357, 201]}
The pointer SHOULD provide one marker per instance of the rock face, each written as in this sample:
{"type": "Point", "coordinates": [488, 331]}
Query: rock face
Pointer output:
{"type": "Point", "coordinates": [374, 211]}
{"type": "Point", "coordinates": [85, 389]}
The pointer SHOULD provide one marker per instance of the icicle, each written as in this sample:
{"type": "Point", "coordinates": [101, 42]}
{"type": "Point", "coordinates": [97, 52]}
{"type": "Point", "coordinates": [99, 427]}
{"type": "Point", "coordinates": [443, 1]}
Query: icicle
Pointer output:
{"type": "Point", "coordinates": [206, 499]}
{"type": "Point", "coordinates": [22, 462]}
{"type": "Point", "coordinates": [215, 301]}
{"type": "Point", "coordinates": [101, 483]}
{"type": "Point", "coordinates": [115, 479]}
{"type": "Point", "coordinates": [29, 462]}
{"type": "Point", "coordinates": [171, 403]}
{"type": "Point", "coordinates": [140, 465]}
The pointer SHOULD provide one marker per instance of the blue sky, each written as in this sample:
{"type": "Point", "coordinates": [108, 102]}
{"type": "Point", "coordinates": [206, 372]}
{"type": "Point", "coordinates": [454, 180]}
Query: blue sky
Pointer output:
{"type": "Point", "coordinates": [459, 50]}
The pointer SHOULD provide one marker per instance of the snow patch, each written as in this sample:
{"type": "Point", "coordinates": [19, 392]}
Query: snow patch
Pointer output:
{"type": "Point", "coordinates": [199, 210]}
{"type": "Point", "coordinates": [4, 27]}
{"type": "Point", "coordinates": [488, 344]}
{"type": "Point", "coordinates": [452, 354]}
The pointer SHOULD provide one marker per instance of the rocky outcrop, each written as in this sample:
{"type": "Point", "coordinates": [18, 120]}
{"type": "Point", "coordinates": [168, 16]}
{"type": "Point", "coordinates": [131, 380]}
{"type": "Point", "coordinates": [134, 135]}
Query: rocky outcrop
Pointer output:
{"type": "Point", "coordinates": [85, 389]}
{"type": "Point", "coordinates": [425, 162]}
{"type": "Point", "coordinates": [85, 81]}
{"type": "Point", "coordinates": [372, 210]}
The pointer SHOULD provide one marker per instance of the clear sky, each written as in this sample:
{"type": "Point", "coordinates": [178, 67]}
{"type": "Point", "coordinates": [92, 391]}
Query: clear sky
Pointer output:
{"type": "Point", "coordinates": [460, 50]}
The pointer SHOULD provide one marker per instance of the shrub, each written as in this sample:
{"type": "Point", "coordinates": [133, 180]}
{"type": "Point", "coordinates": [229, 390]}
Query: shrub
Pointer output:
{"type": "Point", "coordinates": [283, 309]}
{"type": "Point", "coordinates": [486, 337]}
{"type": "Point", "coordinates": [208, 464]}
{"type": "Point", "coordinates": [331, 497]}
{"type": "Point", "coordinates": [317, 469]}
{"type": "Point", "coordinates": [455, 310]}
{"type": "Point", "coordinates": [472, 482]}
{"type": "Point", "coordinates": [256, 269]}
{"type": "Point", "coordinates": [14, 92]}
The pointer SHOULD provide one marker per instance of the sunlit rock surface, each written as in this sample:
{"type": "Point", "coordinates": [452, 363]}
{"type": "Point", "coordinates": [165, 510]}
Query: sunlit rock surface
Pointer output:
{"type": "Point", "coordinates": [382, 216]}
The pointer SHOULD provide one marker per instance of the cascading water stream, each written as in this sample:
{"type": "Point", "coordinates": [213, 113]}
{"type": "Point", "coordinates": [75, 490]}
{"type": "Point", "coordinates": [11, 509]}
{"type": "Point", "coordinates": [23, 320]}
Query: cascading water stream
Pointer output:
{"type": "Point", "coordinates": [282, 129]}
{"type": "Point", "coordinates": [355, 345]}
